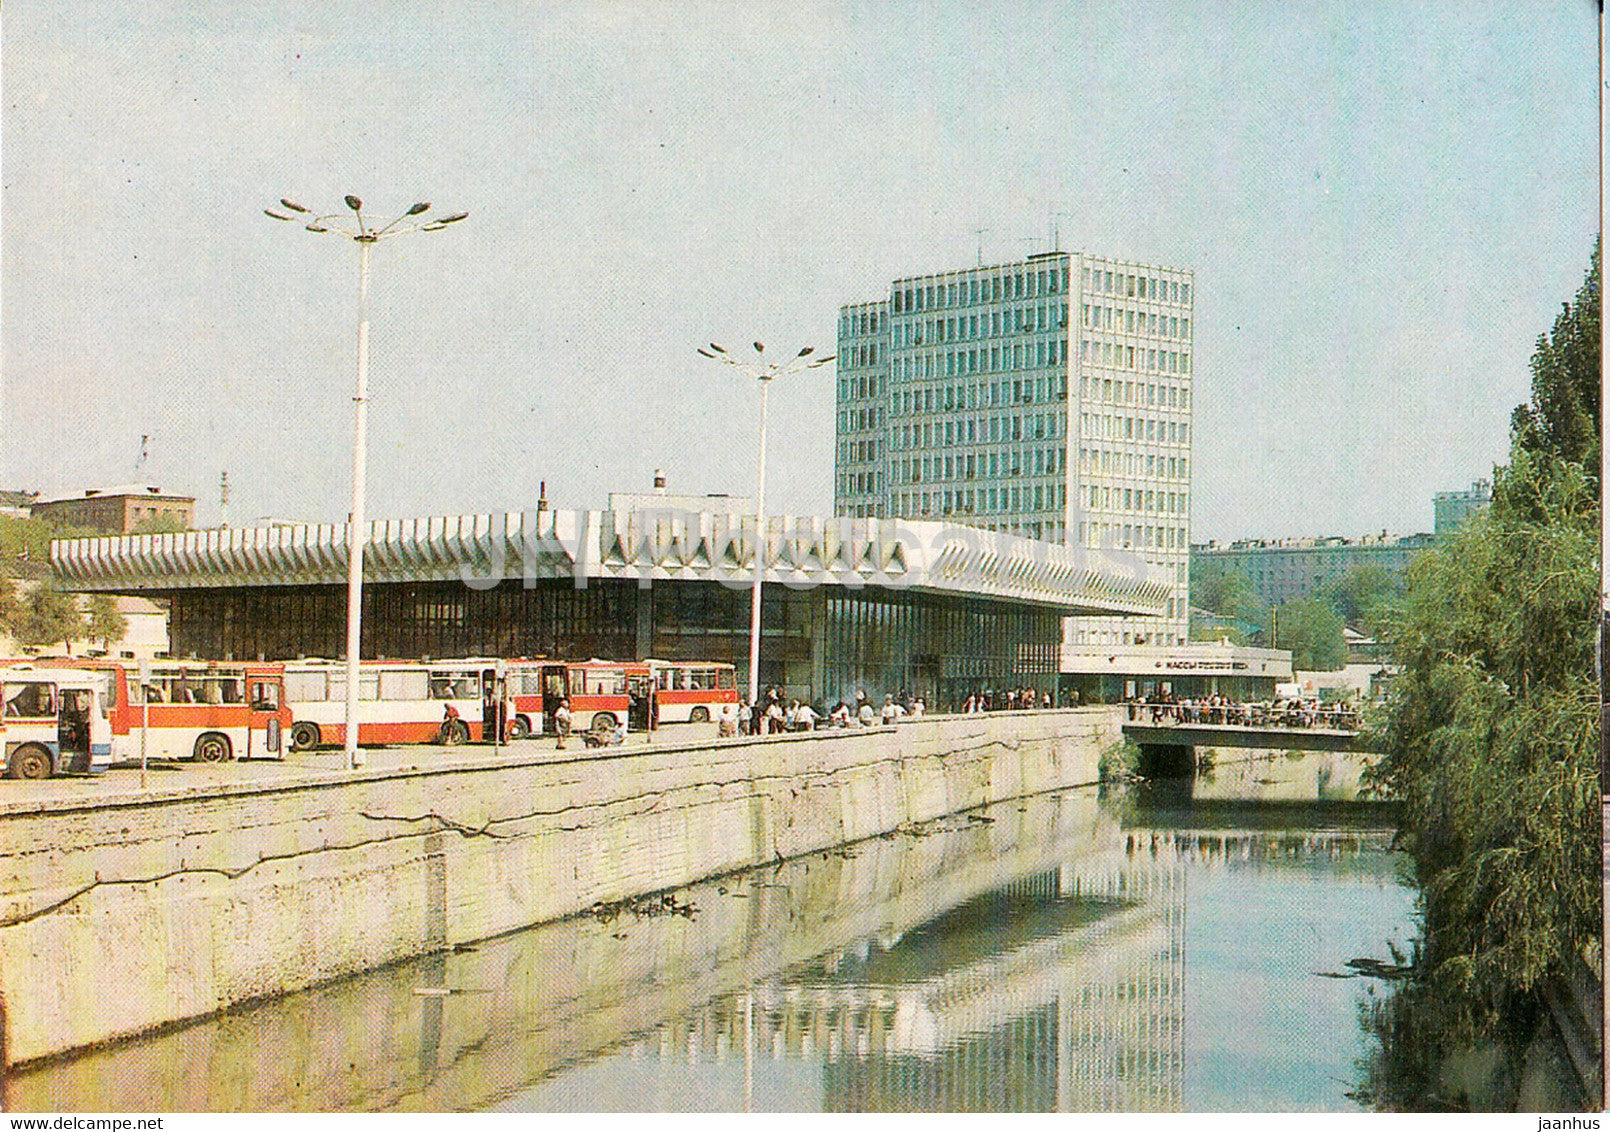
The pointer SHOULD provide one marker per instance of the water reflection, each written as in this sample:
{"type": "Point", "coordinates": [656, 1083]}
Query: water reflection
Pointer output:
{"type": "Point", "coordinates": [1137, 952]}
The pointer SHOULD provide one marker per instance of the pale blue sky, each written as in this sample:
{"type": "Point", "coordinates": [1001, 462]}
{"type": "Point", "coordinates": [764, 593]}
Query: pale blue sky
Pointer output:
{"type": "Point", "coordinates": [1384, 204]}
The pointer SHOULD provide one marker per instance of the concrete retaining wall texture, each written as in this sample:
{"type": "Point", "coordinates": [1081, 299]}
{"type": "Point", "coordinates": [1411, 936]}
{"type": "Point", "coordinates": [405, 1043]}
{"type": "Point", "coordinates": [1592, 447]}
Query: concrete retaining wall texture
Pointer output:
{"type": "Point", "coordinates": [142, 910]}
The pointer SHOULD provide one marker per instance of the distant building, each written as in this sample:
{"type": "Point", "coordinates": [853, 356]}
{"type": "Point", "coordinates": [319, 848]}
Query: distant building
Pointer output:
{"type": "Point", "coordinates": [1111, 673]}
{"type": "Point", "coordinates": [1049, 397]}
{"type": "Point", "coordinates": [1282, 570]}
{"type": "Point", "coordinates": [145, 635]}
{"type": "Point", "coordinates": [1453, 507]}
{"type": "Point", "coordinates": [123, 510]}
{"type": "Point", "coordinates": [16, 504]}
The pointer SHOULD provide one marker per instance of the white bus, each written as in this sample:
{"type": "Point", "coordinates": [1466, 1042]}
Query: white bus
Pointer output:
{"type": "Point", "coordinates": [54, 721]}
{"type": "Point", "coordinates": [398, 701]}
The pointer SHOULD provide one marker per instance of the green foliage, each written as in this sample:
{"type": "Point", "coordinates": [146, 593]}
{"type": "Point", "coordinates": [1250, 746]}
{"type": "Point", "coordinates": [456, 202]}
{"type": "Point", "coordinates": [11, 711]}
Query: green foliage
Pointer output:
{"type": "Point", "coordinates": [1364, 595]}
{"type": "Point", "coordinates": [1562, 418]}
{"type": "Point", "coordinates": [1118, 761]}
{"type": "Point", "coordinates": [1312, 630]}
{"type": "Point", "coordinates": [25, 545]}
{"type": "Point", "coordinates": [160, 525]}
{"type": "Point", "coordinates": [1492, 728]}
{"type": "Point", "coordinates": [105, 621]}
{"type": "Point", "coordinates": [49, 617]}
{"type": "Point", "coordinates": [10, 607]}
{"type": "Point", "coordinates": [1228, 593]}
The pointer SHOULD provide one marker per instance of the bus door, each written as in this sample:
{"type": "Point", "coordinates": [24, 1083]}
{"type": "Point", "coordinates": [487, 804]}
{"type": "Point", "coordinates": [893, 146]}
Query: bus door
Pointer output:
{"type": "Point", "coordinates": [555, 688]}
{"type": "Point", "coordinates": [641, 711]}
{"type": "Point", "coordinates": [264, 726]}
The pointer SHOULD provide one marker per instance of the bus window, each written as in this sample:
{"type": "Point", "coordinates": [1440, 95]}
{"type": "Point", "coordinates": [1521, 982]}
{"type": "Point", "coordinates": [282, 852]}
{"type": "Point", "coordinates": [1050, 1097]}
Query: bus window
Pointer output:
{"type": "Point", "coordinates": [667, 679]}
{"type": "Point", "coordinates": [726, 678]}
{"type": "Point", "coordinates": [405, 685]}
{"type": "Point", "coordinates": [265, 695]}
{"type": "Point", "coordinates": [368, 685]}
{"type": "Point", "coordinates": [222, 690]}
{"type": "Point", "coordinates": [29, 701]}
{"type": "Point", "coordinates": [306, 687]}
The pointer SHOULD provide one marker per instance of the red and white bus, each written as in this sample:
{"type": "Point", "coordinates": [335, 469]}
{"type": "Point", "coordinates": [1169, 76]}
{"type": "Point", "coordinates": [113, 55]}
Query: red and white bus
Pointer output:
{"type": "Point", "coordinates": [209, 711]}
{"type": "Point", "coordinates": [54, 721]}
{"type": "Point", "coordinates": [398, 701]}
{"type": "Point", "coordinates": [692, 691]}
{"type": "Point", "coordinates": [601, 694]}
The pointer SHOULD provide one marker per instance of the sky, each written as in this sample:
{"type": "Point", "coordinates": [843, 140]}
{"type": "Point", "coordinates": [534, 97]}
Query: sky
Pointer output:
{"type": "Point", "coordinates": [1384, 205]}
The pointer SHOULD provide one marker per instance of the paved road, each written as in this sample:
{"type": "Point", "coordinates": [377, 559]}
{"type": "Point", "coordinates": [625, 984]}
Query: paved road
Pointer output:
{"type": "Point", "coordinates": [304, 766]}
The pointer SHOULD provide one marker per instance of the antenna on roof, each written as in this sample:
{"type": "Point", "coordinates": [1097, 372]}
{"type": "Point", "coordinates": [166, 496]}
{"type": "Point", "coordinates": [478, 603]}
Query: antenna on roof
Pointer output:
{"type": "Point", "coordinates": [139, 462]}
{"type": "Point", "coordinates": [979, 232]}
{"type": "Point", "coordinates": [223, 499]}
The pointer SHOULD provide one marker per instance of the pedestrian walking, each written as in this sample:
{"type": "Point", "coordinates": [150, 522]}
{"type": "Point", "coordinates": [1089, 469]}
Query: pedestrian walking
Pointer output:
{"type": "Point", "coordinates": [561, 722]}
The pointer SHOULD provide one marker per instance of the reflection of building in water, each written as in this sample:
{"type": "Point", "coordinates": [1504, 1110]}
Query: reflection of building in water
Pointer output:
{"type": "Point", "coordinates": [1062, 991]}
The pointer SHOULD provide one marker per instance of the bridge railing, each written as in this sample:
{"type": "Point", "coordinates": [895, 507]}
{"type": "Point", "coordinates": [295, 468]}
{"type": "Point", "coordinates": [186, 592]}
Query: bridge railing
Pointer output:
{"type": "Point", "coordinates": [1276, 714]}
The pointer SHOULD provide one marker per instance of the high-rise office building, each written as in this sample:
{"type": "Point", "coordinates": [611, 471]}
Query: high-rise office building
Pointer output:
{"type": "Point", "coordinates": [1050, 397]}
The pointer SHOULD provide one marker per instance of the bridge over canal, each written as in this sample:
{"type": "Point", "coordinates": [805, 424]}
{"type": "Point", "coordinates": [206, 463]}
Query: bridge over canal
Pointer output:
{"type": "Point", "coordinates": [1170, 747]}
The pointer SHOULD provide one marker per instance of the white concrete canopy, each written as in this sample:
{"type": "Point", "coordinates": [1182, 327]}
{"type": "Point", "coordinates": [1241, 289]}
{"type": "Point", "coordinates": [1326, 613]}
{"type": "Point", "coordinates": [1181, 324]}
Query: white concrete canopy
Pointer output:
{"type": "Point", "coordinates": [645, 545]}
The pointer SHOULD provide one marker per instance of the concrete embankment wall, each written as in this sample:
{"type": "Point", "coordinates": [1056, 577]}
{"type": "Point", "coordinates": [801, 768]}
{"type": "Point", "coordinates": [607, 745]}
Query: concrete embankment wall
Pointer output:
{"type": "Point", "coordinates": [137, 910]}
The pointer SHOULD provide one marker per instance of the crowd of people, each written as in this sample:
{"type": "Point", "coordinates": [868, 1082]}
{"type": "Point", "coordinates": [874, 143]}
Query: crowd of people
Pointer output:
{"type": "Point", "coordinates": [777, 713]}
{"type": "Point", "coordinates": [1165, 707]}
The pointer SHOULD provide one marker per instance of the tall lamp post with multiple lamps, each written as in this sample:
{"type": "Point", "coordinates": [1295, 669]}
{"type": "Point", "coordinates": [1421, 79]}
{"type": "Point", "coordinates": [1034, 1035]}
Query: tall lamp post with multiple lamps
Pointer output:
{"type": "Point", "coordinates": [759, 367]}
{"type": "Point", "coordinates": [365, 236]}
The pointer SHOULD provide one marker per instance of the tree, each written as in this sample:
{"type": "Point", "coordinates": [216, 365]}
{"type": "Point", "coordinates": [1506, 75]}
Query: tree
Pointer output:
{"type": "Point", "coordinates": [106, 622]}
{"type": "Point", "coordinates": [1492, 730]}
{"type": "Point", "coordinates": [160, 525]}
{"type": "Point", "coordinates": [48, 617]}
{"type": "Point", "coordinates": [1363, 594]}
{"type": "Point", "coordinates": [10, 608]}
{"type": "Point", "coordinates": [1227, 592]}
{"type": "Point", "coordinates": [1312, 630]}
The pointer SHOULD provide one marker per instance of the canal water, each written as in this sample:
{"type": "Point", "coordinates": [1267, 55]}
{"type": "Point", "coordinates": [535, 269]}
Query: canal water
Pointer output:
{"type": "Point", "coordinates": [1180, 946]}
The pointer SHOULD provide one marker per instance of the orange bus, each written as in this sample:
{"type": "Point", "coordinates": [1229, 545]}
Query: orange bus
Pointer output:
{"type": "Point", "coordinates": [209, 711]}
{"type": "Point", "coordinates": [398, 701]}
{"type": "Point", "coordinates": [601, 694]}
{"type": "Point", "coordinates": [692, 691]}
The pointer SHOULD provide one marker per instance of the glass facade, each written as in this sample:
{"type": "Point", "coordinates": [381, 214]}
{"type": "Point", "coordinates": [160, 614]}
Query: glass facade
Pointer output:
{"type": "Point", "coordinates": [822, 644]}
{"type": "Point", "coordinates": [1049, 397]}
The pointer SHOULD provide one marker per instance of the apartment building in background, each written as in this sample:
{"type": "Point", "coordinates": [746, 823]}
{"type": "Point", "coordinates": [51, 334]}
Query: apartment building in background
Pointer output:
{"type": "Point", "coordinates": [1050, 397]}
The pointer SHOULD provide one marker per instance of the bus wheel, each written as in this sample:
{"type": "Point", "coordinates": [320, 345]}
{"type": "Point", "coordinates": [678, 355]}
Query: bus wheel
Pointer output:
{"type": "Point", "coordinates": [604, 721]}
{"type": "Point", "coordinates": [30, 761]}
{"type": "Point", "coordinates": [304, 736]}
{"type": "Point", "coordinates": [699, 715]}
{"type": "Point", "coordinates": [454, 732]}
{"type": "Point", "coordinates": [212, 748]}
{"type": "Point", "coordinates": [519, 728]}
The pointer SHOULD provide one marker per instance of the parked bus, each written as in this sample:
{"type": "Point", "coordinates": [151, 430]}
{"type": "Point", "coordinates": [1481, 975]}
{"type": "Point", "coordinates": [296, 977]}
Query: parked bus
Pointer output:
{"type": "Point", "coordinates": [398, 701]}
{"type": "Point", "coordinates": [601, 694]}
{"type": "Point", "coordinates": [209, 711]}
{"type": "Point", "coordinates": [692, 691]}
{"type": "Point", "coordinates": [54, 721]}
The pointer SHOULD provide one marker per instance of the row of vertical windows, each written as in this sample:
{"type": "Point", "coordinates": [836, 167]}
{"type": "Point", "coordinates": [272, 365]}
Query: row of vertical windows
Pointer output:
{"type": "Point", "coordinates": [985, 324]}
{"type": "Point", "coordinates": [1135, 392]}
{"type": "Point", "coordinates": [982, 395]}
{"type": "Point", "coordinates": [1128, 321]}
{"type": "Point", "coordinates": [1017, 499]}
{"type": "Point", "coordinates": [1106, 427]}
{"type": "Point", "coordinates": [975, 465]}
{"type": "Point", "coordinates": [1120, 356]}
{"type": "Point", "coordinates": [1132, 536]}
{"type": "Point", "coordinates": [1136, 286]}
{"type": "Point", "coordinates": [1016, 284]}
{"type": "Point", "coordinates": [1102, 461]}
{"type": "Point", "coordinates": [980, 430]}
{"type": "Point", "coordinates": [1134, 499]}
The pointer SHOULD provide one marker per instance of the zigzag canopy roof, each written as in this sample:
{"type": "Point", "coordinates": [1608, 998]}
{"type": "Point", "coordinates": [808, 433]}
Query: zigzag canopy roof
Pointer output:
{"type": "Point", "coordinates": [482, 550]}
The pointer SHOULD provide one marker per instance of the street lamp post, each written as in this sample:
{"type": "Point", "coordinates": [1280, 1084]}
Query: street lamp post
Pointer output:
{"type": "Point", "coordinates": [365, 237]}
{"type": "Point", "coordinates": [765, 371]}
